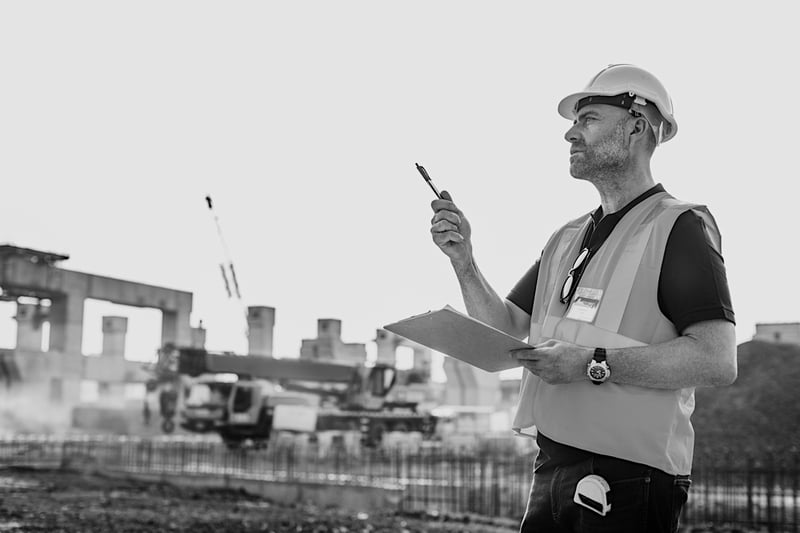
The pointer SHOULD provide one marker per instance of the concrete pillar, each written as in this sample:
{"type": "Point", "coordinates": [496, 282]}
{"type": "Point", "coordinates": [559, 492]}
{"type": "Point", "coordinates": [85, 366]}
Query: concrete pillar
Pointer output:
{"type": "Point", "coordinates": [329, 328]}
{"type": "Point", "coordinates": [454, 388]}
{"type": "Point", "coordinates": [423, 360]}
{"type": "Point", "coordinates": [115, 329]}
{"type": "Point", "coordinates": [467, 385]}
{"type": "Point", "coordinates": [260, 327]}
{"type": "Point", "coordinates": [175, 327]}
{"type": "Point", "coordinates": [199, 336]}
{"type": "Point", "coordinates": [66, 324]}
{"type": "Point", "coordinates": [387, 347]}
{"type": "Point", "coordinates": [309, 350]}
{"type": "Point", "coordinates": [29, 327]}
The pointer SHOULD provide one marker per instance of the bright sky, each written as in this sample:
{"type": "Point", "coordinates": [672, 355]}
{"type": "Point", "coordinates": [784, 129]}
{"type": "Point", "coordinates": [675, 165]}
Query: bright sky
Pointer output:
{"type": "Point", "coordinates": [303, 121]}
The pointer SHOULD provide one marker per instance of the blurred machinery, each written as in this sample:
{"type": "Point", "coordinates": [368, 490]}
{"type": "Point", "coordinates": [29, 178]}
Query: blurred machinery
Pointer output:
{"type": "Point", "coordinates": [49, 310]}
{"type": "Point", "coordinates": [291, 394]}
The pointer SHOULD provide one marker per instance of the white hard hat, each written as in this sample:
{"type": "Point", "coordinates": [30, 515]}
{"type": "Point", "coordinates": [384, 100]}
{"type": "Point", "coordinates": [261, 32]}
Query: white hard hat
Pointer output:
{"type": "Point", "coordinates": [630, 87]}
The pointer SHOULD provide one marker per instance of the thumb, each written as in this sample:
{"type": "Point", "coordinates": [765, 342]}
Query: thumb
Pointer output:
{"type": "Point", "coordinates": [446, 196]}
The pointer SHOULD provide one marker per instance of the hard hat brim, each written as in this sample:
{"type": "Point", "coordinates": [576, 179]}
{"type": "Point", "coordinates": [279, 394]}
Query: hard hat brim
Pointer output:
{"type": "Point", "coordinates": [566, 108]}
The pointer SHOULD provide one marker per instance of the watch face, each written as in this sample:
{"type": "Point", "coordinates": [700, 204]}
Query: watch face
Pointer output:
{"type": "Point", "coordinates": [597, 372]}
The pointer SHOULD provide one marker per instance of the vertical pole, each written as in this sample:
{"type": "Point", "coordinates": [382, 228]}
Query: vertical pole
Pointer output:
{"type": "Point", "coordinates": [795, 500]}
{"type": "Point", "coordinates": [426, 476]}
{"type": "Point", "coordinates": [770, 482]}
{"type": "Point", "coordinates": [290, 463]}
{"type": "Point", "coordinates": [749, 477]}
{"type": "Point", "coordinates": [707, 485]}
{"type": "Point", "coordinates": [495, 488]}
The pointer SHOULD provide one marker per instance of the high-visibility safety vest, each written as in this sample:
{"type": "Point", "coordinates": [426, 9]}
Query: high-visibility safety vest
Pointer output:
{"type": "Point", "coordinates": [639, 424]}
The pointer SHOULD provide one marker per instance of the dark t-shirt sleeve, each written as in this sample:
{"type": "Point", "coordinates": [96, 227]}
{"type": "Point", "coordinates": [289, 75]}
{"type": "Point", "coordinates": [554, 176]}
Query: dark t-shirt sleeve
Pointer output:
{"type": "Point", "coordinates": [522, 293]}
{"type": "Point", "coordinates": [692, 287]}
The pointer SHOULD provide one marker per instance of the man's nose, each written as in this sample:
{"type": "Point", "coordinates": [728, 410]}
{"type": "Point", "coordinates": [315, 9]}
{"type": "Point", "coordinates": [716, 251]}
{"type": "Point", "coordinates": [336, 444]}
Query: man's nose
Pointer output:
{"type": "Point", "coordinates": [571, 135]}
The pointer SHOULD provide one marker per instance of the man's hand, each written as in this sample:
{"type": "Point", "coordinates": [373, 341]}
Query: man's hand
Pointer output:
{"type": "Point", "coordinates": [451, 231]}
{"type": "Point", "coordinates": [555, 361]}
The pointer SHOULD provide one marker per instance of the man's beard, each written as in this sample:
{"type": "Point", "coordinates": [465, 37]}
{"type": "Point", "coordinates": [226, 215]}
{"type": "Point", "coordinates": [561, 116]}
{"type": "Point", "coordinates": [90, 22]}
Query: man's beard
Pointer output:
{"type": "Point", "coordinates": [604, 160]}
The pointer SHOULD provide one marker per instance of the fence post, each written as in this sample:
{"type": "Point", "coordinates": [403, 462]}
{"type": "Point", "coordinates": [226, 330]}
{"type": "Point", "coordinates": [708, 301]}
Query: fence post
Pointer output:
{"type": "Point", "coordinates": [496, 487]}
{"type": "Point", "coordinates": [749, 477]}
{"type": "Point", "coordinates": [795, 480]}
{"type": "Point", "coordinates": [290, 463]}
{"type": "Point", "coordinates": [397, 470]}
{"type": "Point", "coordinates": [64, 454]}
{"type": "Point", "coordinates": [769, 487]}
{"type": "Point", "coordinates": [400, 468]}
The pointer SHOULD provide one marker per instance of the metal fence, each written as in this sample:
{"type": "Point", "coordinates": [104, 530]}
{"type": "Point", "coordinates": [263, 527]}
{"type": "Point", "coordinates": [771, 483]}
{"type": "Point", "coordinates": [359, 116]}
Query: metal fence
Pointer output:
{"type": "Point", "coordinates": [744, 492]}
{"type": "Point", "coordinates": [757, 490]}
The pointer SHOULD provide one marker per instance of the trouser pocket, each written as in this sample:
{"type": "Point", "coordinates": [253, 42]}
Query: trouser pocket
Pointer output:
{"type": "Point", "coordinates": [628, 494]}
{"type": "Point", "coordinates": [680, 494]}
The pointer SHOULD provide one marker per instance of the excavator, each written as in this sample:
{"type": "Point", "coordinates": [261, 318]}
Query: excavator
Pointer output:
{"type": "Point", "coordinates": [245, 398]}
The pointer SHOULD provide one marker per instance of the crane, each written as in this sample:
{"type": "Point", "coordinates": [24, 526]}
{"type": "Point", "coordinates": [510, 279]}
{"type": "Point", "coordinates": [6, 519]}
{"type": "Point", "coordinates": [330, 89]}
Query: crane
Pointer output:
{"type": "Point", "coordinates": [226, 265]}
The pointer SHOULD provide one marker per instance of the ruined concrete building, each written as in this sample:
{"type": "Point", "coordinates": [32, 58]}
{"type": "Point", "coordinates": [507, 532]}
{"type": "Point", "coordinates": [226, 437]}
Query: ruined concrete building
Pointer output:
{"type": "Point", "coordinates": [40, 386]}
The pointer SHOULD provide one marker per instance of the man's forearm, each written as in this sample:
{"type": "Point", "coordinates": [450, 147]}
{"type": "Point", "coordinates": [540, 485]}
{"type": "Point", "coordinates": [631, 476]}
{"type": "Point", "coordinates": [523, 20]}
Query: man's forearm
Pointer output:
{"type": "Point", "coordinates": [705, 356]}
{"type": "Point", "coordinates": [482, 302]}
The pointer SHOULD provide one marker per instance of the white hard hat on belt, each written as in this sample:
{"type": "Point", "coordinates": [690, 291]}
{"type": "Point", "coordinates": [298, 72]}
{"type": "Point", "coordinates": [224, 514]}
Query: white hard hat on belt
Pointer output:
{"type": "Point", "coordinates": [629, 87]}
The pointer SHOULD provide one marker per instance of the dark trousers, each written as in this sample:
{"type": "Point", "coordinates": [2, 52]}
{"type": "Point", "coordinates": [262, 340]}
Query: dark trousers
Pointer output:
{"type": "Point", "coordinates": [643, 499]}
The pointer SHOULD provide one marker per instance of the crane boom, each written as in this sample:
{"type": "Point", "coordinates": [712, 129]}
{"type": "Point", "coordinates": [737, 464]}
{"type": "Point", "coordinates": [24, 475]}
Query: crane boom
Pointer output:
{"type": "Point", "coordinates": [194, 362]}
{"type": "Point", "coordinates": [226, 266]}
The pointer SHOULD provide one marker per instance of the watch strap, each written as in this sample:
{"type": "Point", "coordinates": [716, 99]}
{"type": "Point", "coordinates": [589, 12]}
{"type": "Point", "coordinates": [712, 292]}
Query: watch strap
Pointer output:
{"type": "Point", "coordinates": [599, 355]}
{"type": "Point", "coordinates": [598, 360]}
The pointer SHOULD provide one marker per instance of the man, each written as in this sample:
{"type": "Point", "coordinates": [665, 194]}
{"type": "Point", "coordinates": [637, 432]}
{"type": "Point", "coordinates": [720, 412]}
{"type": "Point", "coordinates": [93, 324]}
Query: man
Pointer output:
{"type": "Point", "coordinates": [627, 310]}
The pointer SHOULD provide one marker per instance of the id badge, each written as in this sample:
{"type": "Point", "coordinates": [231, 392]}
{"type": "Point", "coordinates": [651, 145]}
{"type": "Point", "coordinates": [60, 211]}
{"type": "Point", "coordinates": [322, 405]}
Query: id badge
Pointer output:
{"type": "Point", "coordinates": [585, 304]}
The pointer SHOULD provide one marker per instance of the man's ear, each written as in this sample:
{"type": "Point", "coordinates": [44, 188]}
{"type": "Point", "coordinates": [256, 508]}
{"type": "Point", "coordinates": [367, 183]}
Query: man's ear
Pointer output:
{"type": "Point", "coordinates": [639, 126]}
{"type": "Point", "coordinates": [640, 132]}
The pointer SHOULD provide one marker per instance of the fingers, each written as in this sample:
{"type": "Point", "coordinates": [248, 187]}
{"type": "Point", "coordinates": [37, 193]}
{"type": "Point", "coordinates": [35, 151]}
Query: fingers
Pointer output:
{"type": "Point", "coordinates": [441, 225]}
{"type": "Point", "coordinates": [449, 228]}
{"type": "Point", "coordinates": [446, 226]}
{"type": "Point", "coordinates": [449, 216]}
{"type": "Point", "coordinates": [446, 203]}
{"type": "Point", "coordinates": [546, 344]}
{"type": "Point", "coordinates": [447, 237]}
{"type": "Point", "coordinates": [525, 354]}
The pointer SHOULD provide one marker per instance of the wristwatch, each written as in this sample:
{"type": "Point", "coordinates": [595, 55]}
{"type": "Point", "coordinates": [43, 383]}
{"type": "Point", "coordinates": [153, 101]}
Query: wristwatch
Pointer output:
{"type": "Point", "coordinates": [597, 369]}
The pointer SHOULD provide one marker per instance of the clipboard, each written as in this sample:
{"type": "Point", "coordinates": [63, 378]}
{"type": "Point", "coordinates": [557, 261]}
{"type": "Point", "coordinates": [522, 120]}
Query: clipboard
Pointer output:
{"type": "Point", "coordinates": [461, 337]}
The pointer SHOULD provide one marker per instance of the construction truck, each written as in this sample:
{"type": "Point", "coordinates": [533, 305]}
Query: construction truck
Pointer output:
{"type": "Point", "coordinates": [271, 394]}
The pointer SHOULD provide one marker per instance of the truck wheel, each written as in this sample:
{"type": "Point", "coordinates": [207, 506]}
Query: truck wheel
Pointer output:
{"type": "Point", "coordinates": [264, 423]}
{"type": "Point", "coordinates": [233, 444]}
{"type": "Point", "coordinates": [168, 425]}
{"type": "Point", "coordinates": [375, 435]}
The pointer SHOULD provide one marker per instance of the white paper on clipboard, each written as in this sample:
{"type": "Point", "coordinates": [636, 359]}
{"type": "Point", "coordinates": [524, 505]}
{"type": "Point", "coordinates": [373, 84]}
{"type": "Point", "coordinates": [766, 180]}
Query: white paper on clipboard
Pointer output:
{"type": "Point", "coordinates": [462, 337]}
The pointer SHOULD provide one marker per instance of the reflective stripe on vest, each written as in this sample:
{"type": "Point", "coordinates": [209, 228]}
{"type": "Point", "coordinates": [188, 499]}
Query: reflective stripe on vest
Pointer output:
{"type": "Point", "coordinates": [644, 425]}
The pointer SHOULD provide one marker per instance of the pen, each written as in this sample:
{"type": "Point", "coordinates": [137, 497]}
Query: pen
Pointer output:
{"type": "Point", "coordinates": [428, 179]}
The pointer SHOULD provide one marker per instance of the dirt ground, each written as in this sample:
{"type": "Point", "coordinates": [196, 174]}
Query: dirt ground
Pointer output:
{"type": "Point", "coordinates": [58, 501]}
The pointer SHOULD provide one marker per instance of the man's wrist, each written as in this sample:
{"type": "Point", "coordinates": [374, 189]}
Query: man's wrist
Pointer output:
{"type": "Point", "coordinates": [598, 370]}
{"type": "Point", "coordinates": [587, 354]}
{"type": "Point", "coordinates": [464, 267]}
